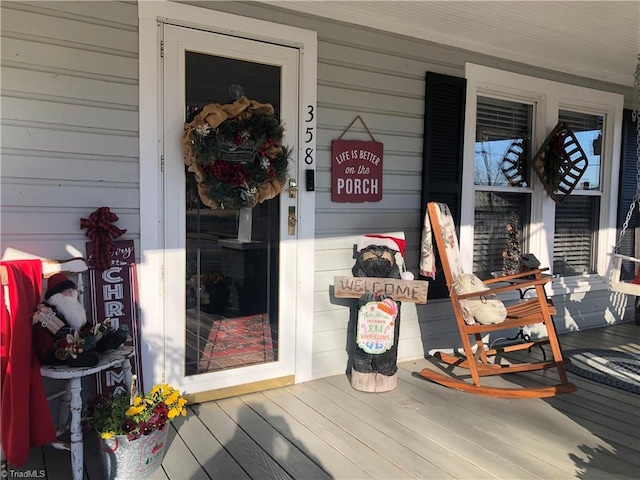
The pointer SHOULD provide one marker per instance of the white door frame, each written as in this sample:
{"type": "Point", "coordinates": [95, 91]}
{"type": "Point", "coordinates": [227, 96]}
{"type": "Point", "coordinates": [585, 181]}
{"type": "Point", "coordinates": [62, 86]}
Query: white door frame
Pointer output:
{"type": "Point", "coordinates": [151, 268]}
{"type": "Point", "coordinates": [177, 42]}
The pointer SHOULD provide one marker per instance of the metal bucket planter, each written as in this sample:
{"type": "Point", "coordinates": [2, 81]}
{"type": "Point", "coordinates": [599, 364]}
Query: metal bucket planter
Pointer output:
{"type": "Point", "coordinates": [124, 459]}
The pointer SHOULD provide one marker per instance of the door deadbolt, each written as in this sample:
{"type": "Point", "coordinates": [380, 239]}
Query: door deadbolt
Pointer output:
{"type": "Point", "coordinates": [292, 221]}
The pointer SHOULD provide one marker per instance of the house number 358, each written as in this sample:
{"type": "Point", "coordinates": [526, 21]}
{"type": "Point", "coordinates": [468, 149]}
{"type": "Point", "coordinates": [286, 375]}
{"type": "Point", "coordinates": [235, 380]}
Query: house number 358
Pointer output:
{"type": "Point", "coordinates": [308, 153]}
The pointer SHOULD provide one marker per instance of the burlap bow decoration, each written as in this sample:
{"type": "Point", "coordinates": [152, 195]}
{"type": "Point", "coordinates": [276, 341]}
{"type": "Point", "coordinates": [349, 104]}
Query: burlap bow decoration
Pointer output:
{"type": "Point", "coordinates": [101, 231]}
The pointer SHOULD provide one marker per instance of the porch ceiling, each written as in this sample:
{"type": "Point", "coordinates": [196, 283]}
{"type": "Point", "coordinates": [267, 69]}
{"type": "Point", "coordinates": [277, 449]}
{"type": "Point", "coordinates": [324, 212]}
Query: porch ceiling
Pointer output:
{"type": "Point", "coordinates": [593, 39]}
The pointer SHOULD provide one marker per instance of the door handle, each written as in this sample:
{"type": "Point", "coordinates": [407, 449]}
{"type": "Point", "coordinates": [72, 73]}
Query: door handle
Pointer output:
{"type": "Point", "coordinates": [292, 221]}
{"type": "Point", "coordinates": [293, 188]}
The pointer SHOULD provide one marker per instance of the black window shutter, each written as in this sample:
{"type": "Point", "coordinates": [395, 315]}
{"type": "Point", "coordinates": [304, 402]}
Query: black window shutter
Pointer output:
{"type": "Point", "coordinates": [628, 186]}
{"type": "Point", "coordinates": [443, 152]}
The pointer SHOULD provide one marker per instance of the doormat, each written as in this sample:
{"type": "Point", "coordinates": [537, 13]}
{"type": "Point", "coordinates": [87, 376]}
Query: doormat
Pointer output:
{"type": "Point", "coordinates": [611, 367]}
{"type": "Point", "coordinates": [237, 342]}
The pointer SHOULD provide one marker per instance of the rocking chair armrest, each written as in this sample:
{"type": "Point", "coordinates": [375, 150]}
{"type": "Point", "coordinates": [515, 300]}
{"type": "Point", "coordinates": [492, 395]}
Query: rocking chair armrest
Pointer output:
{"type": "Point", "coordinates": [516, 276]}
{"type": "Point", "coordinates": [506, 288]}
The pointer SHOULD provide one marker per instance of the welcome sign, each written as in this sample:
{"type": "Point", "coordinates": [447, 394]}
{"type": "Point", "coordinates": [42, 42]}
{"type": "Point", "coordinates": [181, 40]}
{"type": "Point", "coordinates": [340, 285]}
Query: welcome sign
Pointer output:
{"type": "Point", "coordinates": [356, 171]}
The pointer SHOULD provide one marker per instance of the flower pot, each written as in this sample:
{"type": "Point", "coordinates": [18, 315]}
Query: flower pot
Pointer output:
{"type": "Point", "coordinates": [133, 459]}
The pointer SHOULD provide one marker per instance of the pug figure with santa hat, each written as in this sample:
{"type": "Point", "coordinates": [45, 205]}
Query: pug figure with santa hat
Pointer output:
{"type": "Point", "coordinates": [60, 330]}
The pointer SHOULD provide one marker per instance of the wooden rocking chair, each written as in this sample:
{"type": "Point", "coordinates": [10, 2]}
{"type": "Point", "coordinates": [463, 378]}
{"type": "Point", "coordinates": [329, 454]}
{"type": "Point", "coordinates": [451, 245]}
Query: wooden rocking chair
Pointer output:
{"type": "Point", "coordinates": [527, 312]}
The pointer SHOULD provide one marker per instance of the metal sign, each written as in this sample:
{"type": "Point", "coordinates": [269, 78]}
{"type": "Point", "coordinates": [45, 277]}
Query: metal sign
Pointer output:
{"type": "Point", "coordinates": [356, 171]}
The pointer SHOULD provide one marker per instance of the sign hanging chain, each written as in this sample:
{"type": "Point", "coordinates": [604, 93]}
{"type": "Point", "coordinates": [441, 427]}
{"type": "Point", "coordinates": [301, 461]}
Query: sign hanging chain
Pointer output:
{"type": "Point", "coordinates": [635, 116]}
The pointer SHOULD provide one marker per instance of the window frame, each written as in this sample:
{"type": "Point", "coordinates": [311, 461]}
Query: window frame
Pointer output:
{"type": "Point", "coordinates": [548, 98]}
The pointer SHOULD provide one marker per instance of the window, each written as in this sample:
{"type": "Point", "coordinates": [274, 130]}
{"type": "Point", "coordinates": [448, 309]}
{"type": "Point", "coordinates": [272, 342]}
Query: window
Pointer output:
{"type": "Point", "coordinates": [501, 177]}
{"type": "Point", "coordinates": [577, 218]}
{"type": "Point", "coordinates": [508, 117]}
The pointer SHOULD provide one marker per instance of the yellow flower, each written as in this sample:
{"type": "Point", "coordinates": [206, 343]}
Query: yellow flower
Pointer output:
{"type": "Point", "coordinates": [135, 410]}
{"type": "Point", "coordinates": [172, 398]}
{"type": "Point", "coordinates": [109, 415]}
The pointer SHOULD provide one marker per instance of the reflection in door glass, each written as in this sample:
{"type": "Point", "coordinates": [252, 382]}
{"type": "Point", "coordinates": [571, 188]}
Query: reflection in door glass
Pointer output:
{"type": "Point", "coordinates": [231, 254]}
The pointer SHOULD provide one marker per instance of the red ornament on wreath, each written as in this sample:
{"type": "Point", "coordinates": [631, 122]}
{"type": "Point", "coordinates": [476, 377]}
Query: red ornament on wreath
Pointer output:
{"type": "Point", "coordinates": [236, 154]}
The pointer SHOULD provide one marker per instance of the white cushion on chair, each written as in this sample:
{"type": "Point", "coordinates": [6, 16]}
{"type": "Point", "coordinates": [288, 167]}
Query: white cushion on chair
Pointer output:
{"type": "Point", "coordinates": [484, 310]}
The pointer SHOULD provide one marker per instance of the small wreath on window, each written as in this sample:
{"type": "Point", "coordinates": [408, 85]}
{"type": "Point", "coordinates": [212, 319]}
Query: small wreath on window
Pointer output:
{"type": "Point", "coordinates": [236, 154]}
{"type": "Point", "coordinates": [560, 163]}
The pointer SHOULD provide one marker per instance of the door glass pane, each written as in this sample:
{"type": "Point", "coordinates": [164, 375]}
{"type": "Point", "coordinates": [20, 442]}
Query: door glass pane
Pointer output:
{"type": "Point", "coordinates": [231, 254]}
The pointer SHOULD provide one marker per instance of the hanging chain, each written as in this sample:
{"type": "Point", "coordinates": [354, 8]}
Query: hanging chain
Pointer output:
{"type": "Point", "coordinates": [635, 116]}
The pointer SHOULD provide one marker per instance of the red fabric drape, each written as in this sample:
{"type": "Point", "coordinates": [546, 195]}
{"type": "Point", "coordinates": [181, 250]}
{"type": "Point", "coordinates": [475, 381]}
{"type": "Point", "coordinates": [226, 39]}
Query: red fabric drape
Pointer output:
{"type": "Point", "coordinates": [25, 418]}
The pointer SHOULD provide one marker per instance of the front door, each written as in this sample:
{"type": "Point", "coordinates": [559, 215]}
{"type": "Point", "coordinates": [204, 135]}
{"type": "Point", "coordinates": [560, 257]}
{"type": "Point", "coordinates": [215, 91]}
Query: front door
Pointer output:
{"type": "Point", "coordinates": [228, 311]}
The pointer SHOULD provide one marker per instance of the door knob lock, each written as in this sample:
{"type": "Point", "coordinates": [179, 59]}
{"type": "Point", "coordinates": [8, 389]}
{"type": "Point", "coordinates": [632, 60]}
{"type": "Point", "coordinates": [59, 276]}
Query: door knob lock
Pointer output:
{"type": "Point", "coordinates": [293, 188]}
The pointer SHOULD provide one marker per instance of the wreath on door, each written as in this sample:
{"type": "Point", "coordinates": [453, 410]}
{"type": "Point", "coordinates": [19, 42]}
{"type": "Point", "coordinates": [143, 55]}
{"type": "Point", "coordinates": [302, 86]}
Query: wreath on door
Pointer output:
{"type": "Point", "coordinates": [236, 154]}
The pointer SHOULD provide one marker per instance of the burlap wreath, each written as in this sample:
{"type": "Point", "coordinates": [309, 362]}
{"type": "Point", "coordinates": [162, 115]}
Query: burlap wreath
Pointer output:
{"type": "Point", "coordinates": [249, 138]}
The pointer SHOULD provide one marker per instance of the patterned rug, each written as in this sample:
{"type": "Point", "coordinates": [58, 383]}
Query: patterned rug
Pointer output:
{"type": "Point", "coordinates": [237, 342]}
{"type": "Point", "coordinates": [613, 368]}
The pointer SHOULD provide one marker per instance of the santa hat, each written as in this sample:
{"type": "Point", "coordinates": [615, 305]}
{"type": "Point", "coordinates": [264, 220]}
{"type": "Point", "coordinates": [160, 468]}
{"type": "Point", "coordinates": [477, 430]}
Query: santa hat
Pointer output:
{"type": "Point", "coordinates": [394, 241]}
{"type": "Point", "coordinates": [56, 284]}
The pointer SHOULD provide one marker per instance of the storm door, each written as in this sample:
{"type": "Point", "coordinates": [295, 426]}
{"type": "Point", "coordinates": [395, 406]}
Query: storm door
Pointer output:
{"type": "Point", "coordinates": [227, 320]}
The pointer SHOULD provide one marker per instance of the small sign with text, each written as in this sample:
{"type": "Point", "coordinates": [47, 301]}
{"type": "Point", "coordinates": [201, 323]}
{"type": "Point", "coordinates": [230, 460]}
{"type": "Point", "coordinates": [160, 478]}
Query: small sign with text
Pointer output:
{"type": "Point", "coordinates": [356, 171]}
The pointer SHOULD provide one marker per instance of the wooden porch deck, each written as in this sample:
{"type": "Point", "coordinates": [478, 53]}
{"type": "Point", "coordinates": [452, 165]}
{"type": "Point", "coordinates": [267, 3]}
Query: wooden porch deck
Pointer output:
{"type": "Point", "coordinates": [325, 429]}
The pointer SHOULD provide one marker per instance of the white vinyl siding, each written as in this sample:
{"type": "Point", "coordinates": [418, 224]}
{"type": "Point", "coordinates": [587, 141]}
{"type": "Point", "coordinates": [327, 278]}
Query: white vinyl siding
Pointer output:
{"type": "Point", "coordinates": [69, 122]}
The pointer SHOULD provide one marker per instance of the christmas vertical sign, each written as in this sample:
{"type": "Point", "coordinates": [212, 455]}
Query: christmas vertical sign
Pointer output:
{"type": "Point", "coordinates": [113, 294]}
{"type": "Point", "coordinates": [356, 171]}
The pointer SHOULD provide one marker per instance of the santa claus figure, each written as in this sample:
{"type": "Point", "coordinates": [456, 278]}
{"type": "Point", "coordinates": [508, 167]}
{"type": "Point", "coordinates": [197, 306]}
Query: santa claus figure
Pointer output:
{"type": "Point", "coordinates": [62, 294]}
{"type": "Point", "coordinates": [60, 329]}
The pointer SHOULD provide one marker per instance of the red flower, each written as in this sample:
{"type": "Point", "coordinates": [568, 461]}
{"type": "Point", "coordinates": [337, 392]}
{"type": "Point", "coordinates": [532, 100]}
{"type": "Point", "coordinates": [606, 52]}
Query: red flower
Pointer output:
{"type": "Point", "coordinates": [128, 425]}
{"type": "Point", "coordinates": [232, 173]}
{"type": "Point", "coordinates": [162, 411]}
{"type": "Point", "coordinates": [146, 428]}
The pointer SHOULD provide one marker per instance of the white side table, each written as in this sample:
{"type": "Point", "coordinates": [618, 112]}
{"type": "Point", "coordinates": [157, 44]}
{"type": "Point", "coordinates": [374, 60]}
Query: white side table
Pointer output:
{"type": "Point", "coordinates": [72, 397]}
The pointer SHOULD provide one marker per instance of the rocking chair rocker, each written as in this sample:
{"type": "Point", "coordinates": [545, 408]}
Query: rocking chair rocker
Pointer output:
{"type": "Point", "coordinates": [529, 312]}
